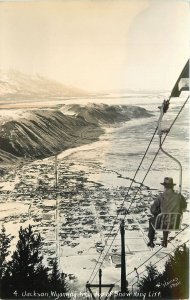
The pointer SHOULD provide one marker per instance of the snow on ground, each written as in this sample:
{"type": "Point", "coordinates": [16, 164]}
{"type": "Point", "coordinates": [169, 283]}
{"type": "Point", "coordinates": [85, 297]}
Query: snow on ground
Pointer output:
{"type": "Point", "coordinates": [9, 185]}
{"type": "Point", "coordinates": [12, 208]}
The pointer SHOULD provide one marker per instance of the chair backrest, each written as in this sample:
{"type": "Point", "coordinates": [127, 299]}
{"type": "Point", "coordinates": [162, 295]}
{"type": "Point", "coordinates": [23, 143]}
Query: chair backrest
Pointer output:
{"type": "Point", "coordinates": [168, 222]}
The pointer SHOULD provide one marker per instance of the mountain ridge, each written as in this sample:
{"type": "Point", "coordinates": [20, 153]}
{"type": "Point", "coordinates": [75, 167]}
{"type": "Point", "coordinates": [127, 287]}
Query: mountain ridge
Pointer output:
{"type": "Point", "coordinates": [103, 114]}
{"type": "Point", "coordinates": [39, 133]}
{"type": "Point", "coordinates": [14, 83]}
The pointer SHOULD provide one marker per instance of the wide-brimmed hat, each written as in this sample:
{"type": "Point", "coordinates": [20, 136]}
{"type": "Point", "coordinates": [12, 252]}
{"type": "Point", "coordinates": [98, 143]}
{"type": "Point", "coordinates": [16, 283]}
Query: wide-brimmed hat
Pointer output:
{"type": "Point", "coordinates": [168, 182]}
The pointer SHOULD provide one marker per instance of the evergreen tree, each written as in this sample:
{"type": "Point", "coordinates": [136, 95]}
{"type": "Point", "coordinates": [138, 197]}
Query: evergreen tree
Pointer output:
{"type": "Point", "coordinates": [55, 276]}
{"type": "Point", "coordinates": [27, 271]}
{"type": "Point", "coordinates": [173, 283]}
{"type": "Point", "coordinates": [175, 278]}
{"type": "Point", "coordinates": [57, 280]}
{"type": "Point", "coordinates": [41, 280]}
{"type": "Point", "coordinates": [5, 241]}
{"type": "Point", "coordinates": [150, 282]}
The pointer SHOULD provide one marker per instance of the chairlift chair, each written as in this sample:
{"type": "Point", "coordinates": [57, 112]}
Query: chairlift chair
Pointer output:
{"type": "Point", "coordinates": [167, 222]}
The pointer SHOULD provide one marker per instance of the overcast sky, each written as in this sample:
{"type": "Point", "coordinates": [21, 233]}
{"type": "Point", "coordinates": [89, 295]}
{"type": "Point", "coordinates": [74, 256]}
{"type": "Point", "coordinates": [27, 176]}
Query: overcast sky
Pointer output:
{"type": "Point", "coordinates": [97, 44]}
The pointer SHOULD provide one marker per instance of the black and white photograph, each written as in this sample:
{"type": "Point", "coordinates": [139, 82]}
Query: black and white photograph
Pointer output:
{"type": "Point", "coordinates": [94, 149]}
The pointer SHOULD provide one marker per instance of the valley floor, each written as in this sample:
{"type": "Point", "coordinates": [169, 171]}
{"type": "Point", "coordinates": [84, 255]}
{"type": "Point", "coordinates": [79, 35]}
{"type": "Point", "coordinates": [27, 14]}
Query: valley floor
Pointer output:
{"type": "Point", "coordinates": [76, 219]}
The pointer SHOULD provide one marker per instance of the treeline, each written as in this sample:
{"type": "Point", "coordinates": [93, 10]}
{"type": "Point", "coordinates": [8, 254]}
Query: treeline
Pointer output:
{"type": "Point", "coordinates": [173, 282]}
{"type": "Point", "coordinates": [24, 274]}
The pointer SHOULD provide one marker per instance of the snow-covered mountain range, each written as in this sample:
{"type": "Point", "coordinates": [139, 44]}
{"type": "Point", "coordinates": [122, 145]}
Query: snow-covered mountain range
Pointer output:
{"type": "Point", "coordinates": [17, 84]}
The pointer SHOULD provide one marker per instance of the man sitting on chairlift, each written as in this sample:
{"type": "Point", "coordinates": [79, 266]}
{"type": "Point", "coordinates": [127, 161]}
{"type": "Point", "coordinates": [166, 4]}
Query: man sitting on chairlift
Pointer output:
{"type": "Point", "coordinates": [167, 202]}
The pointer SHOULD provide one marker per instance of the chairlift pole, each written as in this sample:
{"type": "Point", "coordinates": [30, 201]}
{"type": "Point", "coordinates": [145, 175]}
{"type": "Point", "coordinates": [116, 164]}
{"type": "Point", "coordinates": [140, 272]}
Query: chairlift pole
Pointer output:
{"type": "Point", "coordinates": [163, 109]}
{"type": "Point", "coordinates": [99, 286]}
{"type": "Point", "coordinates": [123, 263]}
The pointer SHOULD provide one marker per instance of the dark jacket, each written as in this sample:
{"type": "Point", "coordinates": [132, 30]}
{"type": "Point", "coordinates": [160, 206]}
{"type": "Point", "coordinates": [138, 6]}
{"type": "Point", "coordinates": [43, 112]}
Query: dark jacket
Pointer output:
{"type": "Point", "coordinates": [168, 202]}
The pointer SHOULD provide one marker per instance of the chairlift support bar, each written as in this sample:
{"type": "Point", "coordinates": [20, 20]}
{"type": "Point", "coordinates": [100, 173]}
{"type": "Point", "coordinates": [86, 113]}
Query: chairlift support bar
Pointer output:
{"type": "Point", "coordinates": [163, 109]}
{"type": "Point", "coordinates": [100, 286]}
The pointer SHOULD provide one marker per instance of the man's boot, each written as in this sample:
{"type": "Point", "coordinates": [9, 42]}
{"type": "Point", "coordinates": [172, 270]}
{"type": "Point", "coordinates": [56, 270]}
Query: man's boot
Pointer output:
{"type": "Point", "coordinates": [151, 244]}
{"type": "Point", "coordinates": [165, 238]}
